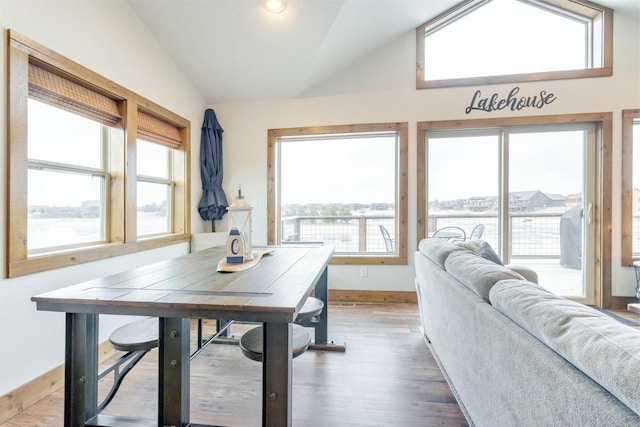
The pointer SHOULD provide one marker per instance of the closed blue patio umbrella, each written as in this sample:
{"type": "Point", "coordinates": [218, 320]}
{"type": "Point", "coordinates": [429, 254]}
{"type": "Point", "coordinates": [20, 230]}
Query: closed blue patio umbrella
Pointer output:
{"type": "Point", "coordinates": [213, 204]}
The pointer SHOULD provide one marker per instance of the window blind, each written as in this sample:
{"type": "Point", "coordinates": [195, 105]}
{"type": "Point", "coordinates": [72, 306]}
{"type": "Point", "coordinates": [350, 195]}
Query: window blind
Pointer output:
{"type": "Point", "coordinates": [60, 92]}
{"type": "Point", "coordinates": [153, 129]}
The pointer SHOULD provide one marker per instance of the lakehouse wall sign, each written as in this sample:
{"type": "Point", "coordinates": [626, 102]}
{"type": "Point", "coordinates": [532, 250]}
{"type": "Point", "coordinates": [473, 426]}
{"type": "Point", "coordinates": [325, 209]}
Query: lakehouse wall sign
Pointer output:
{"type": "Point", "coordinates": [512, 101]}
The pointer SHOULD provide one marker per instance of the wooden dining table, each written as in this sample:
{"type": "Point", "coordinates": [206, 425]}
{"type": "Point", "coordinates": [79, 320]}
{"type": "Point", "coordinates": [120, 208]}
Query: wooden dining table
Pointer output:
{"type": "Point", "coordinates": [176, 290]}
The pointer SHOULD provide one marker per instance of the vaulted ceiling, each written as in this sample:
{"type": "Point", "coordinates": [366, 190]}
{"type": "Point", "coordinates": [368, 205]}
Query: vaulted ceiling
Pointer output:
{"type": "Point", "coordinates": [236, 51]}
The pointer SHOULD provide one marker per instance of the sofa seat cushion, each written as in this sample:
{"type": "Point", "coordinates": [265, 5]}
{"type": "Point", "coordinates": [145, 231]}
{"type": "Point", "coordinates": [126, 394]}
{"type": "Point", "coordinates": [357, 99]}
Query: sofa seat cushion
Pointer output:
{"type": "Point", "coordinates": [476, 273]}
{"type": "Point", "coordinates": [437, 250]}
{"type": "Point", "coordinates": [603, 348]}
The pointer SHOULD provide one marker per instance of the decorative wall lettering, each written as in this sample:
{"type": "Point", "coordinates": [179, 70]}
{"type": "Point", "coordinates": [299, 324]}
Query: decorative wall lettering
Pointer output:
{"type": "Point", "coordinates": [512, 101]}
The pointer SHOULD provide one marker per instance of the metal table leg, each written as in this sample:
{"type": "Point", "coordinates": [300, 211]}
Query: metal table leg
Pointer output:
{"type": "Point", "coordinates": [81, 369]}
{"type": "Point", "coordinates": [321, 341]}
{"type": "Point", "coordinates": [276, 375]}
{"type": "Point", "coordinates": [173, 372]}
{"type": "Point", "coordinates": [322, 293]}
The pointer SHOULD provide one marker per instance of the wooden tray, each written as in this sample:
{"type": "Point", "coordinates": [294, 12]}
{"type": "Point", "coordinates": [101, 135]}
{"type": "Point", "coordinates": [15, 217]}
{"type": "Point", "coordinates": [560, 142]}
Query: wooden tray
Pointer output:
{"type": "Point", "coordinates": [225, 267]}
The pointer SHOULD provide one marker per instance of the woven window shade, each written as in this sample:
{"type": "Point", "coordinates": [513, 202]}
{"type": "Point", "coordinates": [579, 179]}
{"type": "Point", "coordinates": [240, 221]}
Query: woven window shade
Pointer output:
{"type": "Point", "coordinates": [59, 92]}
{"type": "Point", "coordinates": [153, 129]}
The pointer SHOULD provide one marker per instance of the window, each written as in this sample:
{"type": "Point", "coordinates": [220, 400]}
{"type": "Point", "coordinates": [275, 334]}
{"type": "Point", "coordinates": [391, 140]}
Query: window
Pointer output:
{"type": "Point", "coordinates": [65, 151]}
{"type": "Point", "coordinates": [630, 186]}
{"type": "Point", "coordinates": [90, 171]}
{"type": "Point", "coordinates": [343, 186]}
{"type": "Point", "coordinates": [537, 187]}
{"type": "Point", "coordinates": [154, 189]}
{"type": "Point", "coordinates": [545, 40]}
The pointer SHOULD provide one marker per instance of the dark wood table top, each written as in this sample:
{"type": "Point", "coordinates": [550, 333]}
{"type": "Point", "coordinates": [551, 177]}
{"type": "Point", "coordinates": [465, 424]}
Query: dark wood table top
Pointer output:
{"type": "Point", "coordinates": [190, 286]}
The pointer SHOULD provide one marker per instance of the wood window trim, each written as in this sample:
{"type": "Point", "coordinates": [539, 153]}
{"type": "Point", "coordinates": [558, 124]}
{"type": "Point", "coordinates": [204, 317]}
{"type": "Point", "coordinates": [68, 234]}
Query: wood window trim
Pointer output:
{"type": "Point", "coordinates": [604, 133]}
{"type": "Point", "coordinates": [403, 162]}
{"type": "Point", "coordinates": [121, 233]}
{"type": "Point", "coordinates": [628, 117]}
{"type": "Point", "coordinates": [606, 70]}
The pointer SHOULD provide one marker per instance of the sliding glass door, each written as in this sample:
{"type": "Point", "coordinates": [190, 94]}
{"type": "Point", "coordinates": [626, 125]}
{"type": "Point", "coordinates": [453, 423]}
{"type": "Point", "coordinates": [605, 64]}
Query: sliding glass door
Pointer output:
{"type": "Point", "coordinates": [463, 177]}
{"type": "Point", "coordinates": [530, 190]}
{"type": "Point", "coordinates": [550, 215]}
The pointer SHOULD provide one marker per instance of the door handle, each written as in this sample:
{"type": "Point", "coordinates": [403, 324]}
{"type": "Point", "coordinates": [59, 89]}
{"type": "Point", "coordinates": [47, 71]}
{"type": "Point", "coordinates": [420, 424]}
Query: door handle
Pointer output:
{"type": "Point", "coordinates": [589, 213]}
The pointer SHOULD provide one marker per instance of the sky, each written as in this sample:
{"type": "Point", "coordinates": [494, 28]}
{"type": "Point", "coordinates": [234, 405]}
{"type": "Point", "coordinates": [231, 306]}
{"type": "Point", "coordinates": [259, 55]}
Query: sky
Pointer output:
{"type": "Point", "coordinates": [314, 172]}
{"type": "Point", "coordinates": [62, 137]}
{"type": "Point", "coordinates": [460, 48]}
{"type": "Point", "coordinates": [464, 167]}
{"type": "Point", "coordinates": [363, 170]}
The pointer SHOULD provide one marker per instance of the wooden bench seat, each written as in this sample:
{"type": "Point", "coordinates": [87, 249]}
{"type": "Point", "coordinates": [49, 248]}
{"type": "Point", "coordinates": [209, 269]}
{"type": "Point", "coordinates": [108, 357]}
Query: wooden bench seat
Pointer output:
{"type": "Point", "coordinates": [251, 342]}
{"type": "Point", "coordinates": [136, 336]}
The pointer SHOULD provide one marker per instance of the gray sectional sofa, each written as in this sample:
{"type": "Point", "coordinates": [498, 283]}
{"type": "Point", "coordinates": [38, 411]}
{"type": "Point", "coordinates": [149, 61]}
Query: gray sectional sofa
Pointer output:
{"type": "Point", "coordinates": [515, 354]}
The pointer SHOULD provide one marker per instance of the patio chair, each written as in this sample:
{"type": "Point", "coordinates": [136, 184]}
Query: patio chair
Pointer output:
{"type": "Point", "coordinates": [388, 242]}
{"type": "Point", "coordinates": [451, 233]}
{"type": "Point", "coordinates": [477, 232]}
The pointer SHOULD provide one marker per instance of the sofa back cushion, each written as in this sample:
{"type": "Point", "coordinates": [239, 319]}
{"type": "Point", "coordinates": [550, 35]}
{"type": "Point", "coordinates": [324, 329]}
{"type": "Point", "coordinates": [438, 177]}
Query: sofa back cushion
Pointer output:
{"type": "Point", "coordinates": [437, 250]}
{"type": "Point", "coordinates": [476, 273]}
{"type": "Point", "coordinates": [601, 347]}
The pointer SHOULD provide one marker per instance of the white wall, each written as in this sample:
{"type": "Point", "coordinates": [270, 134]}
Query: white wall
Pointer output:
{"type": "Point", "coordinates": [382, 89]}
{"type": "Point", "coordinates": [107, 37]}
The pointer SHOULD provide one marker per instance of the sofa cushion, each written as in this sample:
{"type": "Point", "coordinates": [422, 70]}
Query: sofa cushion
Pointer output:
{"type": "Point", "coordinates": [470, 245]}
{"type": "Point", "coordinates": [477, 273]}
{"type": "Point", "coordinates": [603, 348]}
{"type": "Point", "coordinates": [526, 272]}
{"type": "Point", "coordinates": [437, 250]}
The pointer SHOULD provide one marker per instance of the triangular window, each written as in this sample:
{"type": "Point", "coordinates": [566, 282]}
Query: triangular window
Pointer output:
{"type": "Point", "coordinates": [500, 41]}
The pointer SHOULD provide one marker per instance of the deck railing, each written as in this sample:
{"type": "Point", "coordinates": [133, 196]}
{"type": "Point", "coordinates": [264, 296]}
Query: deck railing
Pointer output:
{"type": "Point", "coordinates": [353, 233]}
{"type": "Point", "coordinates": [532, 235]}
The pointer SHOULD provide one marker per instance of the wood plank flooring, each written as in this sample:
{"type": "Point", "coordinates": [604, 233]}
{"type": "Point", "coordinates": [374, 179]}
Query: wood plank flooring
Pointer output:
{"type": "Point", "coordinates": [386, 377]}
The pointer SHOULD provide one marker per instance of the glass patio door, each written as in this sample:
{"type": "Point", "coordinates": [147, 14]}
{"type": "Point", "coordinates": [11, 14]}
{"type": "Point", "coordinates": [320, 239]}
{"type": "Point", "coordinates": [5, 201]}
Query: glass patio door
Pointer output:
{"type": "Point", "coordinates": [550, 206]}
{"type": "Point", "coordinates": [531, 189]}
{"type": "Point", "coordinates": [463, 183]}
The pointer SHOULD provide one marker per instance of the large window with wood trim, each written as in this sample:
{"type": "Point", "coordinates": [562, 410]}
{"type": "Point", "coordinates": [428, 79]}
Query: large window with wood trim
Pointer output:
{"type": "Point", "coordinates": [95, 170]}
{"type": "Point", "coordinates": [630, 186]}
{"type": "Point", "coordinates": [343, 186]}
{"type": "Point", "coordinates": [502, 41]}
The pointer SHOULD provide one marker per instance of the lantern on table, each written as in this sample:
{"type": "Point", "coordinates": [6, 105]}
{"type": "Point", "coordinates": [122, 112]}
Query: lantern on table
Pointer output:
{"type": "Point", "coordinates": [240, 212]}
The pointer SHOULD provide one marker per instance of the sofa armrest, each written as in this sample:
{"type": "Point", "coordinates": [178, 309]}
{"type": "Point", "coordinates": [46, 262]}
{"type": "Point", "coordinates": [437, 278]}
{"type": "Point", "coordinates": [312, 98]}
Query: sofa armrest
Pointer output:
{"type": "Point", "coordinates": [525, 272]}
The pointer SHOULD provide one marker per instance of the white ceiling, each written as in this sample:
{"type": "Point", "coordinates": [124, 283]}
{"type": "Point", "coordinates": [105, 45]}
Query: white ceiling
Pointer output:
{"type": "Point", "coordinates": [235, 51]}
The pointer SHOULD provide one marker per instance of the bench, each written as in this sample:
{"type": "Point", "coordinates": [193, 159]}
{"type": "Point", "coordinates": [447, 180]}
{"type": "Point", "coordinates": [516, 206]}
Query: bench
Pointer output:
{"type": "Point", "coordinates": [136, 339]}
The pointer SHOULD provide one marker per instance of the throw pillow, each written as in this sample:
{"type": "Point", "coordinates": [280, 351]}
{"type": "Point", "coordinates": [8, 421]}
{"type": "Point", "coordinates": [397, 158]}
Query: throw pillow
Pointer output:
{"type": "Point", "coordinates": [487, 252]}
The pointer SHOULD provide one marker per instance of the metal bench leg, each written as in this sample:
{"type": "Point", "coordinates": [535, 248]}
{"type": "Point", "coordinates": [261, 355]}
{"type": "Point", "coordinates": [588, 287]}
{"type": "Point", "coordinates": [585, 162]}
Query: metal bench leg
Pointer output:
{"type": "Point", "coordinates": [133, 357]}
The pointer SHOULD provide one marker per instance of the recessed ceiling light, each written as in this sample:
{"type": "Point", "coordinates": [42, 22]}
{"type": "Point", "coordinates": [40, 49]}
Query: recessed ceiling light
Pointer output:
{"type": "Point", "coordinates": [275, 6]}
